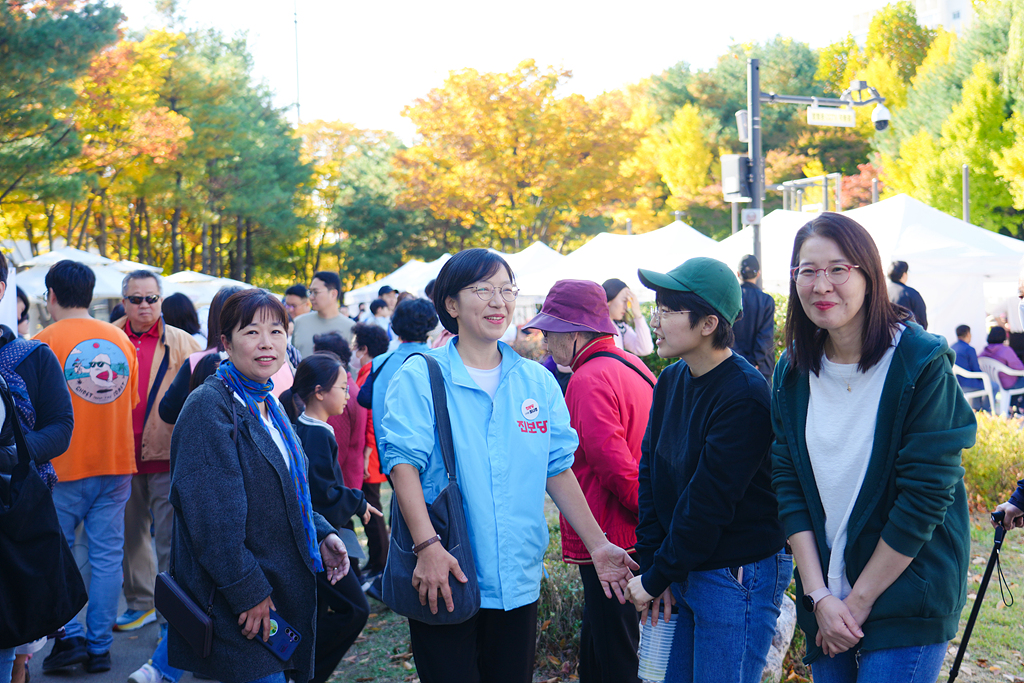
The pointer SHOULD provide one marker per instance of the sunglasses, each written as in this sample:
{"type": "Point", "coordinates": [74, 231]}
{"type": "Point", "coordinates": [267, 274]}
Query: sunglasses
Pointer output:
{"type": "Point", "coordinates": [136, 300]}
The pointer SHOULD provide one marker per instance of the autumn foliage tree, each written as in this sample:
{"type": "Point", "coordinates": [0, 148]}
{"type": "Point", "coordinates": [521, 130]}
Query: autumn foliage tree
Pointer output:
{"type": "Point", "coordinates": [505, 150]}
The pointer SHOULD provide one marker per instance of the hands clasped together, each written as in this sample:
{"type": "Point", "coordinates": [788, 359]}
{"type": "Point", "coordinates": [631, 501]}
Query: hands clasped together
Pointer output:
{"type": "Point", "coordinates": [839, 623]}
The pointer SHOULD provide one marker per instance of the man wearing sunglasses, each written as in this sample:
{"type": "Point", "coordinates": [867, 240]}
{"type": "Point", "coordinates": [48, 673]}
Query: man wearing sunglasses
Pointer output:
{"type": "Point", "coordinates": [161, 349]}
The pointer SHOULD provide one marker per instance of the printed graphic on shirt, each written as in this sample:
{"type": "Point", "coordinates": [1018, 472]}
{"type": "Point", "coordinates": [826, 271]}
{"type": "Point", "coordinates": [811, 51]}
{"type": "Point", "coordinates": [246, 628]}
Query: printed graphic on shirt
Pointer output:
{"type": "Point", "coordinates": [96, 370]}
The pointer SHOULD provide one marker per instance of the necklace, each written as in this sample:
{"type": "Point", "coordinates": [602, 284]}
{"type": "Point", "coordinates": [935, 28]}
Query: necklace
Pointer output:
{"type": "Point", "coordinates": [849, 377]}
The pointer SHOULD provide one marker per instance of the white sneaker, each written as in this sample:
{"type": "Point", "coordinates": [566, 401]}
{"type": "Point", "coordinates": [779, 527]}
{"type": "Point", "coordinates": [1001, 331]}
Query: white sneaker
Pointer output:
{"type": "Point", "coordinates": [146, 674]}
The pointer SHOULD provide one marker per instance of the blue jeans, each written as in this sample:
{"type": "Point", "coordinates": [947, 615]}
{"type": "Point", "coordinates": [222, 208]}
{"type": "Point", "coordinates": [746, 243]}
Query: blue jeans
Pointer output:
{"type": "Point", "coordinates": [160, 662]}
{"type": "Point", "coordinates": [725, 628]}
{"type": "Point", "coordinates": [98, 502]}
{"type": "Point", "coordinates": [918, 664]}
{"type": "Point", "coordinates": [272, 678]}
{"type": "Point", "coordinates": [6, 664]}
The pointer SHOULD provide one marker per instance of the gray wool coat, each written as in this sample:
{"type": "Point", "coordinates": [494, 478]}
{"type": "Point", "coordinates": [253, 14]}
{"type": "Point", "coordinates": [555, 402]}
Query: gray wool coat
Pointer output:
{"type": "Point", "coordinates": [237, 526]}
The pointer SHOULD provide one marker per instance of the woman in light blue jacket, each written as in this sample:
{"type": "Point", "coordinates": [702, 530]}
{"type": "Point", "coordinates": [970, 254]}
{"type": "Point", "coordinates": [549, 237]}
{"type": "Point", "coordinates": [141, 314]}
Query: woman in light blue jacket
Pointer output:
{"type": "Point", "coordinates": [513, 441]}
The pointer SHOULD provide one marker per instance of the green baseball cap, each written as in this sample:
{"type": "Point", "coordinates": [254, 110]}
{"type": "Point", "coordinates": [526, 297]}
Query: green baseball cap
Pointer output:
{"type": "Point", "coordinates": [708, 278]}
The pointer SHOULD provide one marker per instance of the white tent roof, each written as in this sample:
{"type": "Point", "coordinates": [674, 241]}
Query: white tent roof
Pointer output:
{"type": "Point", "coordinates": [412, 276]}
{"type": "Point", "coordinates": [536, 257]}
{"type": "Point", "coordinates": [610, 255]}
{"type": "Point", "coordinates": [949, 260]}
{"type": "Point", "coordinates": [199, 287]}
{"type": "Point", "coordinates": [108, 281]}
{"type": "Point", "coordinates": [68, 254]}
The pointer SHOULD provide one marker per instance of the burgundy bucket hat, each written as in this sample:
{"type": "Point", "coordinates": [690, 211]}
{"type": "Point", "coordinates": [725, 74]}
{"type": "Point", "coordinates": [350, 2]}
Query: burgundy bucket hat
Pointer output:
{"type": "Point", "coordinates": [574, 306]}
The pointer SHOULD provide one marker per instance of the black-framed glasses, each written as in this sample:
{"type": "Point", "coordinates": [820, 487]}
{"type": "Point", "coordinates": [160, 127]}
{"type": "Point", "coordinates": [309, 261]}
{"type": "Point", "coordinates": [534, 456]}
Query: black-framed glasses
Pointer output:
{"type": "Point", "coordinates": [486, 292]}
{"type": "Point", "coordinates": [837, 274]}
{"type": "Point", "coordinates": [137, 300]}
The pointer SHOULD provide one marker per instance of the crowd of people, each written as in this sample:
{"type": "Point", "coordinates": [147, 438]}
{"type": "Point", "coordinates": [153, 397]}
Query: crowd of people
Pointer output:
{"type": "Point", "coordinates": [234, 459]}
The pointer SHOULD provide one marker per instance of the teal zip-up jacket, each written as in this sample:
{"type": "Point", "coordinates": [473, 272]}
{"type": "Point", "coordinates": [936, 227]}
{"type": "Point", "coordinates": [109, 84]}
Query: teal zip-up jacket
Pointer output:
{"type": "Point", "coordinates": [913, 494]}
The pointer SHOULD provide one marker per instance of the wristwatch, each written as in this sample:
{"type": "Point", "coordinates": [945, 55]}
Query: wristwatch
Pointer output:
{"type": "Point", "coordinates": [812, 599]}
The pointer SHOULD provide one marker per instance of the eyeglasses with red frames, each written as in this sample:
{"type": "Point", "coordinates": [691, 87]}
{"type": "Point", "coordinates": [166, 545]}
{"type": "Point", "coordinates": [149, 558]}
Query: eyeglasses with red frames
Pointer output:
{"type": "Point", "coordinates": [837, 274]}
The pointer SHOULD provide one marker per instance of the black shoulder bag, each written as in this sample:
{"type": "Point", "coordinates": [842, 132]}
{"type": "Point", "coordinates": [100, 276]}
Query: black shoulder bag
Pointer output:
{"type": "Point", "coordinates": [41, 588]}
{"type": "Point", "coordinates": [449, 520]}
{"type": "Point", "coordinates": [365, 395]}
{"type": "Point", "coordinates": [609, 354]}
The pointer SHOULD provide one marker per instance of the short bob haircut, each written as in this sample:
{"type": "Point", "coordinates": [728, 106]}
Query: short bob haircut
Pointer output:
{"type": "Point", "coordinates": [242, 307]}
{"type": "Point", "coordinates": [413, 320]}
{"type": "Point", "coordinates": [897, 270]}
{"type": "Point", "coordinates": [723, 337]}
{"type": "Point", "coordinates": [334, 343]}
{"type": "Point", "coordinates": [805, 341]}
{"type": "Point", "coordinates": [71, 283]}
{"type": "Point", "coordinates": [997, 335]}
{"type": "Point", "coordinates": [462, 270]}
{"type": "Point", "coordinates": [320, 369]}
{"type": "Point", "coordinates": [213, 319]}
{"type": "Point", "coordinates": [371, 336]}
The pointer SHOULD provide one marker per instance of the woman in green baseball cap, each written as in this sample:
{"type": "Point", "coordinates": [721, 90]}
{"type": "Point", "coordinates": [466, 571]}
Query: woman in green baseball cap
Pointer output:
{"type": "Point", "coordinates": [709, 539]}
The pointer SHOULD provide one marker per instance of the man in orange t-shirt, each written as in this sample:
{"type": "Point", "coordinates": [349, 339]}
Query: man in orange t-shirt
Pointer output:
{"type": "Point", "coordinates": [95, 473]}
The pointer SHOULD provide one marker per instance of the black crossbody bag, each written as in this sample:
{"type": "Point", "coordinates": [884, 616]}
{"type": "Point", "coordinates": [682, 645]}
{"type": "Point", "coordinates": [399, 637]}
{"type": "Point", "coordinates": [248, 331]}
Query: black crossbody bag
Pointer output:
{"type": "Point", "coordinates": [449, 520]}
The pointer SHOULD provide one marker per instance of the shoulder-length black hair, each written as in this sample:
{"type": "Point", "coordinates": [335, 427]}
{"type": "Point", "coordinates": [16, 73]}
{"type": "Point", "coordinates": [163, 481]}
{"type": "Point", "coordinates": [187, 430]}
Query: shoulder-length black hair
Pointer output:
{"type": "Point", "coordinates": [179, 311]}
{"type": "Point", "coordinates": [805, 341]}
{"type": "Point", "coordinates": [462, 270]}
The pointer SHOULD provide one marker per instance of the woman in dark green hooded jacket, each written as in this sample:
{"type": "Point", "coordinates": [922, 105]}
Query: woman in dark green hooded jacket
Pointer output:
{"type": "Point", "coordinates": [869, 424]}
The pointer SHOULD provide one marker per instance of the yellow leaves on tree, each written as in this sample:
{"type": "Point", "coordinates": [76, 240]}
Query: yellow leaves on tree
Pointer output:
{"type": "Point", "coordinates": [504, 150]}
{"type": "Point", "coordinates": [117, 112]}
{"type": "Point", "coordinates": [685, 157]}
{"type": "Point", "coordinates": [1010, 161]}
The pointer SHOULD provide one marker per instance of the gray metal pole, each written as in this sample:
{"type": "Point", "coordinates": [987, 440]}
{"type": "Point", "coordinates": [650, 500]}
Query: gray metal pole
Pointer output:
{"type": "Point", "coordinates": [754, 149]}
{"type": "Point", "coordinates": [298, 115]}
{"type": "Point", "coordinates": [824, 192]}
{"type": "Point", "coordinates": [735, 217]}
{"type": "Point", "coordinates": [874, 190]}
{"type": "Point", "coordinates": [966, 170]}
{"type": "Point", "coordinates": [839, 193]}
{"type": "Point", "coordinates": [629, 226]}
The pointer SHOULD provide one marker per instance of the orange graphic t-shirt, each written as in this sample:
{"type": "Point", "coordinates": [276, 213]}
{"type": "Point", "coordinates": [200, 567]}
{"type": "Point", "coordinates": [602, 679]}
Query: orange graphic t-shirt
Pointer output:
{"type": "Point", "coordinates": [102, 373]}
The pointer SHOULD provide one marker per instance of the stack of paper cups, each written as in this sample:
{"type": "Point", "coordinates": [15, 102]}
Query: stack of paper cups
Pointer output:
{"type": "Point", "coordinates": [655, 647]}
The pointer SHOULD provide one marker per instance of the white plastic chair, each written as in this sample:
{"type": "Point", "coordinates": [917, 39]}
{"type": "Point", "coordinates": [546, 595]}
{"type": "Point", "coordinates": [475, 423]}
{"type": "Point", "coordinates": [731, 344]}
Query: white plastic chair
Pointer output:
{"type": "Point", "coordinates": [993, 368]}
{"type": "Point", "coordinates": [984, 392]}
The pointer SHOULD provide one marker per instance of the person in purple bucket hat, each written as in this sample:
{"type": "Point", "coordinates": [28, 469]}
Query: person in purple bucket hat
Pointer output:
{"type": "Point", "coordinates": [609, 397]}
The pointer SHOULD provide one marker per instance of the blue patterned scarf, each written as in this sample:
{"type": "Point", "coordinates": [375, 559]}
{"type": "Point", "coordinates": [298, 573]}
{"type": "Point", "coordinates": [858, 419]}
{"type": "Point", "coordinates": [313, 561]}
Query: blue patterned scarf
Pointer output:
{"type": "Point", "coordinates": [254, 393]}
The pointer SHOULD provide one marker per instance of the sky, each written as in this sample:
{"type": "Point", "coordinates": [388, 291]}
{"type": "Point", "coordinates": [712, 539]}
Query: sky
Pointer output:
{"type": "Point", "coordinates": [363, 62]}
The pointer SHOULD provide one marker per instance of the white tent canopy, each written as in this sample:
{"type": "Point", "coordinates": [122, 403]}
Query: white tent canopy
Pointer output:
{"type": "Point", "coordinates": [619, 256]}
{"type": "Point", "coordinates": [536, 257]}
{"type": "Point", "coordinates": [199, 287]}
{"type": "Point", "coordinates": [412, 276]}
{"type": "Point", "coordinates": [32, 281]}
{"type": "Point", "coordinates": [950, 260]}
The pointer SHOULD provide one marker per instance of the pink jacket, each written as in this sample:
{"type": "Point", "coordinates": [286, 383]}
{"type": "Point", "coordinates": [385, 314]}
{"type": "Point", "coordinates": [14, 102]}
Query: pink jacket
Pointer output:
{"type": "Point", "coordinates": [350, 431]}
{"type": "Point", "coordinates": [609, 404]}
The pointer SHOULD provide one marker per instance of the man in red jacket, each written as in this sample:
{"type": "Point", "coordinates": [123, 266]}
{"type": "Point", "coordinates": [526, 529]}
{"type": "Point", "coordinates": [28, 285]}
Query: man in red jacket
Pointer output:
{"type": "Point", "coordinates": [609, 398]}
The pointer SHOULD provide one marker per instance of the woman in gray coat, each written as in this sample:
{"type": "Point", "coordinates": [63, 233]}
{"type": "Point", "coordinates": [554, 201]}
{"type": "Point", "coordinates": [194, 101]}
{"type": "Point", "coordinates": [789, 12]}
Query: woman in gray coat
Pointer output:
{"type": "Point", "coordinates": [244, 528]}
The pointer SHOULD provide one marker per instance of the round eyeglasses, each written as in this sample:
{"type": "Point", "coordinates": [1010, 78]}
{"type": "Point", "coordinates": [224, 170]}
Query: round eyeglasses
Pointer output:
{"type": "Point", "coordinates": [837, 274]}
{"type": "Point", "coordinates": [659, 313]}
{"type": "Point", "coordinates": [486, 292]}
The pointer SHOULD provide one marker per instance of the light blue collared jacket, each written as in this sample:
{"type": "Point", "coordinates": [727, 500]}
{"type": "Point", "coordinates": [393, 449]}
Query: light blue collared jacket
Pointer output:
{"type": "Point", "coordinates": [505, 451]}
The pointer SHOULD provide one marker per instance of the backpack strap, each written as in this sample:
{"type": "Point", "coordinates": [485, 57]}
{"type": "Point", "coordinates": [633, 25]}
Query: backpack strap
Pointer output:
{"type": "Point", "coordinates": [441, 417]}
{"type": "Point", "coordinates": [609, 354]}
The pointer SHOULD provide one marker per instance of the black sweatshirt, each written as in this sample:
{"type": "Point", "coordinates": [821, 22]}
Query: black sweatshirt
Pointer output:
{"type": "Point", "coordinates": [48, 391]}
{"type": "Point", "coordinates": [706, 500]}
{"type": "Point", "coordinates": [174, 398]}
{"type": "Point", "coordinates": [327, 490]}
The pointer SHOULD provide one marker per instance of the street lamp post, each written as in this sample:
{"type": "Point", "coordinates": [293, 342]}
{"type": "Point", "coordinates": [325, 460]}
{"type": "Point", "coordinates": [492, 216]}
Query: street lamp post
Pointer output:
{"type": "Point", "coordinates": [880, 117]}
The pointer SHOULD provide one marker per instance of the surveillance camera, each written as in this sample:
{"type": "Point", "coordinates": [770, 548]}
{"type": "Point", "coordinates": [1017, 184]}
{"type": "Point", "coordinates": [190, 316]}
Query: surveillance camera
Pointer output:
{"type": "Point", "coordinates": [880, 117]}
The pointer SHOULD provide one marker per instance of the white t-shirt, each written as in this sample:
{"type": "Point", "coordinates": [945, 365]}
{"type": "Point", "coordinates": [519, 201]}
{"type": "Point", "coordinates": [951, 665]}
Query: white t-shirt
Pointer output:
{"type": "Point", "coordinates": [274, 433]}
{"type": "Point", "coordinates": [487, 380]}
{"type": "Point", "coordinates": [840, 433]}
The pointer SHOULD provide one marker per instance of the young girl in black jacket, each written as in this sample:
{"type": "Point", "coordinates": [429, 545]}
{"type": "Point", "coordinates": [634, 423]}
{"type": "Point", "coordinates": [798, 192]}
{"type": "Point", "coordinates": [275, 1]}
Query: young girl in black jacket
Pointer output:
{"type": "Point", "coordinates": [321, 381]}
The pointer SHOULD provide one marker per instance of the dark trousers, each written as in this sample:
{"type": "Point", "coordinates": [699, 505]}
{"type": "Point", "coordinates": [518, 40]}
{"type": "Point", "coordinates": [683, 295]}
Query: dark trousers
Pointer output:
{"type": "Point", "coordinates": [494, 646]}
{"type": "Point", "coordinates": [609, 637]}
{"type": "Point", "coordinates": [376, 532]}
{"type": "Point", "coordinates": [1017, 344]}
{"type": "Point", "coordinates": [341, 613]}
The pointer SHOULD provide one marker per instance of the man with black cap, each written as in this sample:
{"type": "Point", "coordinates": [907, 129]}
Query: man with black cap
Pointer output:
{"type": "Point", "coordinates": [755, 330]}
{"type": "Point", "coordinates": [609, 397]}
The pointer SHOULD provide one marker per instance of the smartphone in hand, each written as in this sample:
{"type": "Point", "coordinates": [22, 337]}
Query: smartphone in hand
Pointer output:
{"type": "Point", "coordinates": [283, 638]}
